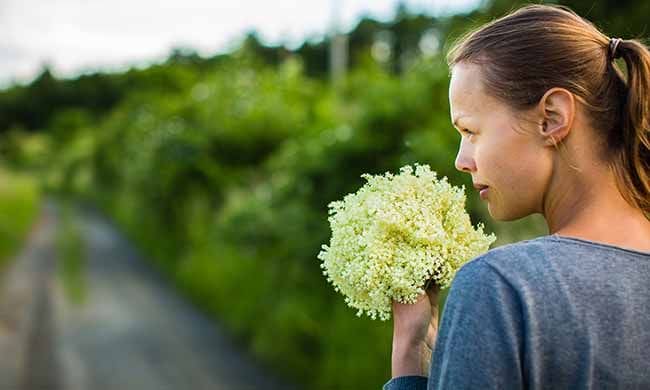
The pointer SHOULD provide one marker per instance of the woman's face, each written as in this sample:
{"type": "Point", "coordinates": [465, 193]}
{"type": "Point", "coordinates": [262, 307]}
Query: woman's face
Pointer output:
{"type": "Point", "coordinates": [513, 163]}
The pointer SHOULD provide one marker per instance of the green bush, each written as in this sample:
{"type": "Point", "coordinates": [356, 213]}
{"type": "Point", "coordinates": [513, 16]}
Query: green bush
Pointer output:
{"type": "Point", "coordinates": [19, 207]}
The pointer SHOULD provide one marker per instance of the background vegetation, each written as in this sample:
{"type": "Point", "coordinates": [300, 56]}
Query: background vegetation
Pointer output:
{"type": "Point", "coordinates": [19, 205]}
{"type": "Point", "coordinates": [221, 170]}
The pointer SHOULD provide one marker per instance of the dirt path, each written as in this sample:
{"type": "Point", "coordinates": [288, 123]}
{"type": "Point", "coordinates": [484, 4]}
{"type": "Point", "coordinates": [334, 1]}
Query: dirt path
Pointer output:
{"type": "Point", "coordinates": [132, 332]}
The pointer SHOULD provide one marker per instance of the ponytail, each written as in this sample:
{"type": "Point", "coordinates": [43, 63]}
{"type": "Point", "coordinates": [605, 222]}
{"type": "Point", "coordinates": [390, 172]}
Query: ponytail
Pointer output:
{"type": "Point", "coordinates": [632, 164]}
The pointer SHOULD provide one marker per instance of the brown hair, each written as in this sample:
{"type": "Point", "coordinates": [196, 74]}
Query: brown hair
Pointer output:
{"type": "Point", "coordinates": [537, 47]}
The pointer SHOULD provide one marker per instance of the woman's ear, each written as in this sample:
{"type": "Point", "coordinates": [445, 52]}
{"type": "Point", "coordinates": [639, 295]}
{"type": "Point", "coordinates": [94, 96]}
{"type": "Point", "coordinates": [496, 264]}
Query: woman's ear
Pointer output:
{"type": "Point", "coordinates": [558, 110]}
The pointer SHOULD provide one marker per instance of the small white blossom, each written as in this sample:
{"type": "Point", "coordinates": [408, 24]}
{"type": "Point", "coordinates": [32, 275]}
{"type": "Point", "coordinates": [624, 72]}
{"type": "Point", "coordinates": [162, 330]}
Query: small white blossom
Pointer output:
{"type": "Point", "coordinates": [396, 233]}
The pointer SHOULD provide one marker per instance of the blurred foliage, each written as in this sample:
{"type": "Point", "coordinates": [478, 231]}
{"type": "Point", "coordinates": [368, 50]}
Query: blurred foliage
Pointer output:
{"type": "Point", "coordinates": [71, 255]}
{"type": "Point", "coordinates": [621, 18]}
{"type": "Point", "coordinates": [19, 206]}
{"type": "Point", "coordinates": [222, 168]}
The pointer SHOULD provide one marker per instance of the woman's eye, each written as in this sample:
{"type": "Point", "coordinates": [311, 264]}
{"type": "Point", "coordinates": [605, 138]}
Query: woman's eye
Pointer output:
{"type": "Point", "coordinates": [465, 131]}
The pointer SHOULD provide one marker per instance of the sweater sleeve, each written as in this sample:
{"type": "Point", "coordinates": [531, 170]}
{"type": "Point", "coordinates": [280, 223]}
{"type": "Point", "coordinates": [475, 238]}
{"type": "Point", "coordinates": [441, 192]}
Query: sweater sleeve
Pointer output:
{"type": "Point", "coordinates": [480, 340]}
{"type": "Point", "coordinates": [409, 382]}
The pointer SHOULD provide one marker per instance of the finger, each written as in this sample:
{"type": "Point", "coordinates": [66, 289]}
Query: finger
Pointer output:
{"type": "Point", "coordinates": [432, 288]}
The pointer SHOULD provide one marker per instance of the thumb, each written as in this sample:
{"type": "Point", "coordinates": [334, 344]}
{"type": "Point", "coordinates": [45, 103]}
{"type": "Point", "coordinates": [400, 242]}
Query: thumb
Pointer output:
{"type": "Point", "coordinates": [433, 291]}
{"type": "Point", "coordinates": [431, 287]}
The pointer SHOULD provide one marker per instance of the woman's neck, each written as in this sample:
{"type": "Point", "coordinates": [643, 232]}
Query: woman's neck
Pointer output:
{"type": "Point", "coordinates": [596, 211]}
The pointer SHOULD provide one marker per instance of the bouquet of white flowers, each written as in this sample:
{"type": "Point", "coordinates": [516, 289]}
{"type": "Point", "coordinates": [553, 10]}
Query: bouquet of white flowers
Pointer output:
{"type": "Point", "coordinates": [394, 235]}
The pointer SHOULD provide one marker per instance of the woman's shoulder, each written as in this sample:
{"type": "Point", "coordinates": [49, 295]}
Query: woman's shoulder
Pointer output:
{"type": "Point", "coordinates": [549, 256]}
{"type": "Point", "coordinates": [554, 246]}
{"type": "Point", "coordinates": [515, 253]}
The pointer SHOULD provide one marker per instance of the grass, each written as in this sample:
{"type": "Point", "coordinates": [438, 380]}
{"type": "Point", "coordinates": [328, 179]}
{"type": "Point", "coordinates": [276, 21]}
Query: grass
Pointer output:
{"type": "Point", "coordinates": [19, 207]}
{"type": "Point", "coordinates": [72, 262]}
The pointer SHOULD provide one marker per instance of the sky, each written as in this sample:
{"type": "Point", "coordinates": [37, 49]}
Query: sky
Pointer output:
{"type": "Point", "coordinates": [77, 36]}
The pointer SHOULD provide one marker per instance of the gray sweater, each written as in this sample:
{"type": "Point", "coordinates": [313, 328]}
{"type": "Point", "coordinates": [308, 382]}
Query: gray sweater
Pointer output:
{"type": "Point", "coordinates": [549, 313]}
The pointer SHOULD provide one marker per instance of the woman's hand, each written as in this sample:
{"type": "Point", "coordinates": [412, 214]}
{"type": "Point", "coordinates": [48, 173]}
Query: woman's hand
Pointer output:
{"type": "Point", "coordinates": [415, 329]}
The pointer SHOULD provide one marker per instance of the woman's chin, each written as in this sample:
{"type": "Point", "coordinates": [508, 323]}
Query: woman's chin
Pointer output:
{"type": "Point", "coordinates": [505, 215]}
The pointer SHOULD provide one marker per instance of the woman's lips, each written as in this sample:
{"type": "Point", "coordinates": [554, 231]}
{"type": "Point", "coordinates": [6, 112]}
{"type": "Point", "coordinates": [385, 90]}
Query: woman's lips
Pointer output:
{"type": "Point", "coordinates": [483, 193]}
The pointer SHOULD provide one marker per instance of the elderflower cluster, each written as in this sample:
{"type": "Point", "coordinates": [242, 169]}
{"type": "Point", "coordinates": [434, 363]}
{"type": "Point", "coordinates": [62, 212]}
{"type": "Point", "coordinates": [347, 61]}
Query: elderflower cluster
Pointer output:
{"type": "Point", "coordinates": [396, 233]}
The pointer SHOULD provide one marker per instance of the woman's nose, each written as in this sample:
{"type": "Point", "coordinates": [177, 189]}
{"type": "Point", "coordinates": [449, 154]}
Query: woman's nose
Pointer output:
{"type": "Point", "coordinates": [464, 161]}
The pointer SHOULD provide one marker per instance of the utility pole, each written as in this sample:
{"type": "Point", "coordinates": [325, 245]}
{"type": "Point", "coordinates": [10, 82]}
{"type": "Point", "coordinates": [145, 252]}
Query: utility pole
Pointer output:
{"type": "Point", "coordinates": [338, 50]}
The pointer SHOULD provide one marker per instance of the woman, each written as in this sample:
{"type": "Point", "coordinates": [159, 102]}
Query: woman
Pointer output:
{"type": "Point", "coordinates": [549, 125]}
